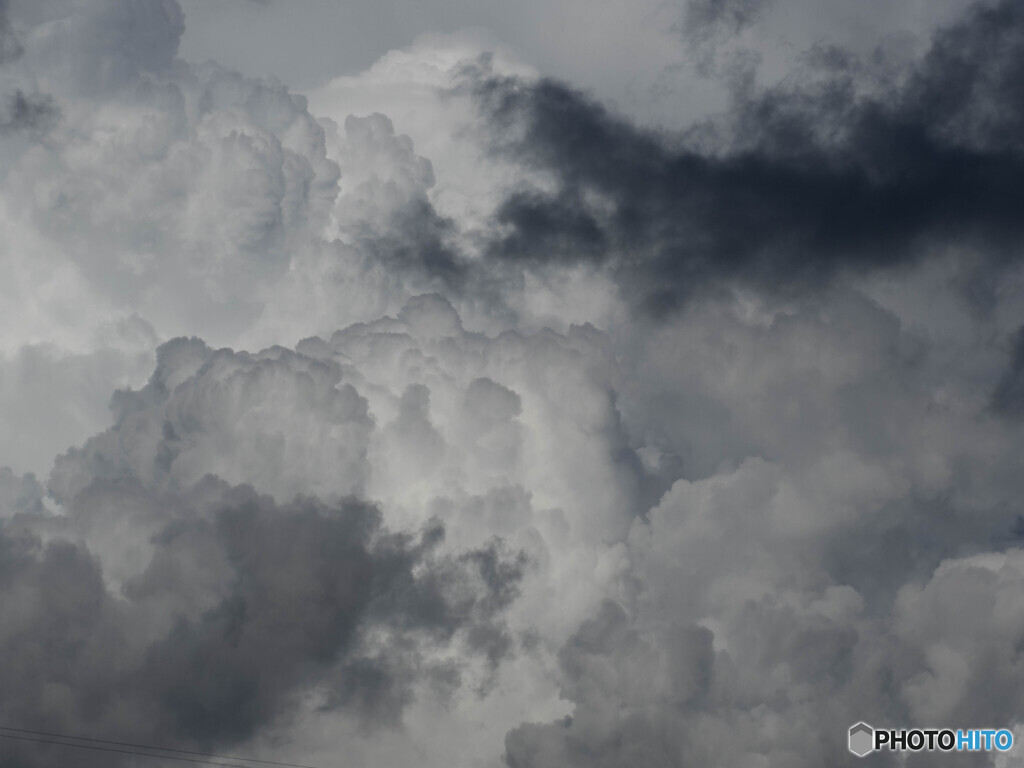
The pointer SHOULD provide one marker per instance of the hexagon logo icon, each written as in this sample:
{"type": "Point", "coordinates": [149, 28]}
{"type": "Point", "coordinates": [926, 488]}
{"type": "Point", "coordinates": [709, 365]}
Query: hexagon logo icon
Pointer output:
{"type": "Point", "coordinates": [862, 739]}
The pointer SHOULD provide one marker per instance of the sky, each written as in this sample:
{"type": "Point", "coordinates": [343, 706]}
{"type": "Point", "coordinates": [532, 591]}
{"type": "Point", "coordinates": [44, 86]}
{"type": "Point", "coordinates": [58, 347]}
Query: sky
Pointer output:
{"type": "Point", "coordinates": [524, 385]}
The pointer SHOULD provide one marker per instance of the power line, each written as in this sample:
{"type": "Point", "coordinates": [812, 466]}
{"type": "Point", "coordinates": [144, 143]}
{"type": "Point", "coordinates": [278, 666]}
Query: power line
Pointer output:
{"type": "Point", "coordinates": [118, 751]}
{"type": "Point", "coordinates": [37, 737]}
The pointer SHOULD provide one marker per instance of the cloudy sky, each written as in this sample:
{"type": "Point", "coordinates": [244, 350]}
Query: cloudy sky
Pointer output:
{"type": "Point", "coordinates": [540, 384]}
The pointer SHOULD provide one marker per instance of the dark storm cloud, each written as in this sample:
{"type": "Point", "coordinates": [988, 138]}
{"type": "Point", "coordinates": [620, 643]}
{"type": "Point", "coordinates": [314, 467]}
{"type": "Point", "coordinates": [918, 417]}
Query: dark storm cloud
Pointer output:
{"type": "Point", "coordinates": [243, 605]}
{"type": "Point", "coordinates": [818, 179]}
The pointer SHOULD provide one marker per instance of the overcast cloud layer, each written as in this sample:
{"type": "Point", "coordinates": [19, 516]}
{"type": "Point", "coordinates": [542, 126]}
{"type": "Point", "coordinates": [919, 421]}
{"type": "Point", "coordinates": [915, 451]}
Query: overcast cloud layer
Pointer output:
{"type": "Point", "coordinates": [541, 387]}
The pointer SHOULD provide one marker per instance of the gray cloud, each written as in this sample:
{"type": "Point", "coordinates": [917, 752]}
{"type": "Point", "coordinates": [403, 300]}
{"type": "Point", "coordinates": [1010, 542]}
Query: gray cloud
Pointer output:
{"type": "Point", "coordinates": [205, 411]}
{"type": "Point", "coordinates": [21, 111]}
{"type": "Point", "coordinates": [239, 606]}
{"type": "Point", "coordinates": [238, 614]}
{"type": "Point", "coordinates": [387, 211]}
{"type": "Point", "coordinates": [52, 399]}
{"type": "Point", "coordinates": [501, 514]}
{"type": "Point", "coordinates": [19, 493]}
{"type": "Point", "coordinates": [10, 48]}
{"type": "Point", "coordinates": [704, 19]}
{"type": "Point", "coordinates": [818, 180]}
{"type": "Point", "coordinates": [646, 690]}
{"type": "Point", "coordinates": [99, 48]}
{"type": "Point", "coordinates": [1008, 396]}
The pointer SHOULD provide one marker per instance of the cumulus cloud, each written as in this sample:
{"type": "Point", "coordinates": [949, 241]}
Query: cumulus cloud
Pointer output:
{"type": "Point", "coordinates": [486, 426]}
{"type": "Point", "coordinates": [802, 587]}
{"type": "Point", "coordinates": [840, 458]}
{"type": "Point", "coordinates": [228, 607]}
{"type": "Point", "coordinates": [140, 189]}
{"type": "Point", "coordinates": [458, 437]}
{"type": "Point", "coordinates": [266, 418]}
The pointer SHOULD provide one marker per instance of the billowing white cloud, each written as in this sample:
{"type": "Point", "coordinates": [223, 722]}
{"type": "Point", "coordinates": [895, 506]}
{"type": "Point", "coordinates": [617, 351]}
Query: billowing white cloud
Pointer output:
{"type": "Point", "coordinates": [186, 199]}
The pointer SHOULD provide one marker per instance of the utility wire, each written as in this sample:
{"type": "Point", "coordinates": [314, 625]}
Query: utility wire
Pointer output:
{"type": "Point", "coordinates": [37, 736]}
{"type": "Point", "coordinates": [118, 751]}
